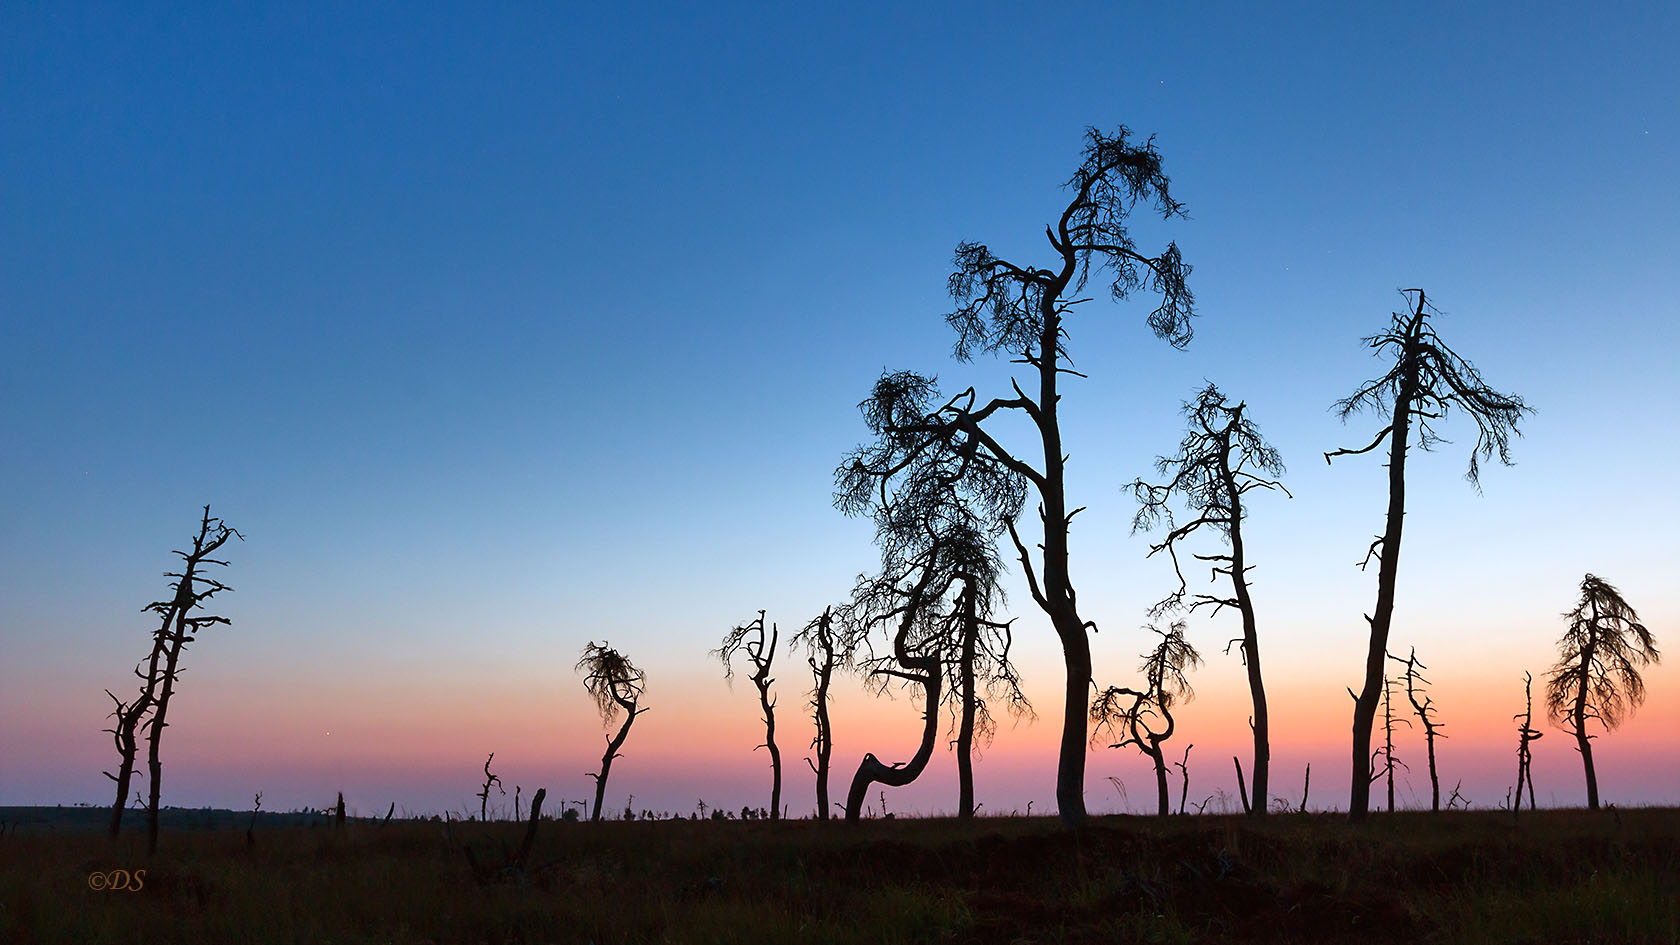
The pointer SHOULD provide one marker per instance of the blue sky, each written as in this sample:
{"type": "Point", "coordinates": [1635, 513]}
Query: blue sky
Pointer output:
{"type": "Point", "coordinates": [503, 328]}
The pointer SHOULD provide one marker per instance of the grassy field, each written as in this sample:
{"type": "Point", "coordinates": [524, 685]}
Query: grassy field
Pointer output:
{"type": "Point", "coordinates": [1553, 877]}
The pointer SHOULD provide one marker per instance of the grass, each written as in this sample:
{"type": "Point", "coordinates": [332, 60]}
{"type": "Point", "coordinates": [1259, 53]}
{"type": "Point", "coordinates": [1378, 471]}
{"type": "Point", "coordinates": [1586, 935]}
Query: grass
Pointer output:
{"type": "Point", "coordinates": [1554, 876]}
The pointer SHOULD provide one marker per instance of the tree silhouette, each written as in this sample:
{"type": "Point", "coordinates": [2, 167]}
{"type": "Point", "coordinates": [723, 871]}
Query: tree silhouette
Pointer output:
{"type": "Point", "coordinates": [1425, 710]}
{"type": "Point", "coordinates": [819, 638]}
{"type": "Point", "coordinates": [484, 793]}
{"type": "Point", "coordinates": [749, 639]}
{"type": "Point", "coordinates": [1143, 718]}
{"type": "Point", "coordinates": [614, 683]}
{"type": "Point", "coordinates": [1386, 751]}
{"type": "Point", "coordinates": [1427, 382]}
{"type": "Point", "coordinates": [178, 626]}
{"type": "Point", "coordinates": [982, 661]}
{"type": "Point", "coordinates": [1219, 461]}
{"type": "Point", "coordinates": [1526, 733]}
{"type": "Point", "coordinates": [1020, 311]}
{"type": "Point", "coordinates": [1596, 678]}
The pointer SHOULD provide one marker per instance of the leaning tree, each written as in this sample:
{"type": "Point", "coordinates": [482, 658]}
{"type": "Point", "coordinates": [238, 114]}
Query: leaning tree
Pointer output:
{"type": "Point", "coordinates": [1020, 311]}
{"type": "Point", "coordinates": [749, 639]}
{"type": "Point", "coordinates": [1221, 459]}
{"type": "Point", "coordinates": [178, 626]}
{"type": "Point", "coordinates": [615, 684]}
{"type": "Point", "coordinates": [1427, 383]}
{"type": "Point", "coordinates": [1596, 678]}
{"type": "Point", "coordinates": [1143, 718]}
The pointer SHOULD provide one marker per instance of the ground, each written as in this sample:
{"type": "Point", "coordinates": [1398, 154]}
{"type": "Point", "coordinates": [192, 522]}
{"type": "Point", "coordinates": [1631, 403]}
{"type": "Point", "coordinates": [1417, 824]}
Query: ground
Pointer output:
{"type": "Point", "coordinates": [1550, 876]}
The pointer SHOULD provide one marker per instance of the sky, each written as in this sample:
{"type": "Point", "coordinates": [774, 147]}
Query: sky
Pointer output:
{"type": "Point", "coordinates": [498, 329]}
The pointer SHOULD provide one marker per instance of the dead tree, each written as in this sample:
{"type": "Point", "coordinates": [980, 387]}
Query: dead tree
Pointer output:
{"type": "Point", "coordinates": [1386, 752]}
{"type": "Point", "coordinates": [902, 600]}
{"type": "Point", "coordinates": [484, 794]}
{"type": "Point", "coordinates": [1596, 678]}
{"type": "Point", "coordinates": [1020, 311]}
{"type": "Point", "coordinates": [178, 626]}
{"type": "Point", "coordinates": [1220, 460]}
{"type": "Point", "coordinates": [819, 638]}
{"type": "Point", "coordinates": [1184, 770]}
{"type": "Point", "coordinates": [938, 509]}
{"type": "Point", "coordinates": [981, 670]}
{"type": "Point", "coordinates": [1143, 718]}
{"type": "Point", "coordinates": [1427, 382]}
{"type": "Point", "coordinates": [1526, 733]}
{"type": "Point", "coordinates": [750, 639]}
{"type": "Point", "coordinates": [1425, 712]}
{"type": "Point", "coordinates": [615, 684]}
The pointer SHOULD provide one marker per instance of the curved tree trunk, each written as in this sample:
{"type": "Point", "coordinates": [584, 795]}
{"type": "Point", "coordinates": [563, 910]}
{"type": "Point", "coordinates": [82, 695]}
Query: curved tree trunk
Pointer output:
{"type": "Point", "coordinates": [872, 771]}
{"type": "Point", "coordinates": [1163, 794]}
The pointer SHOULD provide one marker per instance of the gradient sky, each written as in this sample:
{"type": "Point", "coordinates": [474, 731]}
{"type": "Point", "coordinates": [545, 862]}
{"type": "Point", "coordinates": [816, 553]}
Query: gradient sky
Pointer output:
{"type": "Point", "coordinates": [503, 328]}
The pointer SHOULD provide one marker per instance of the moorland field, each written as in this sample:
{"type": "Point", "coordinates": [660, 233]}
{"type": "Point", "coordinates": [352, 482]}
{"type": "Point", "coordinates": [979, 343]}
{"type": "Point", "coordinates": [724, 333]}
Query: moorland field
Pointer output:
{"type": "Point", "coordinates": [1553, 876]}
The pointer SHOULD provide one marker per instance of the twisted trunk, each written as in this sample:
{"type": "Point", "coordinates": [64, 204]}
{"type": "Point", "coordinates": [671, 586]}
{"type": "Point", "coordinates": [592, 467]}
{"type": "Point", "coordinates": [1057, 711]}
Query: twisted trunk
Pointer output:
{"type": "Point", "coordinates": [873, 771]}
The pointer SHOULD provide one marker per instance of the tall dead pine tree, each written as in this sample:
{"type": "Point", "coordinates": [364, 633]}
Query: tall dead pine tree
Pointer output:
{"type": "Point", "coordinates": [1427, 382]}
{"type": "Point", "coordinates": [750, 639]}
{"type": "Point", "coordinates": [1425, 710]}
{"type": "Point", "coordinates": [1597, 678]}
{"type": "Point", "coordinates": [178, 626]}
{"type": "Point", "coordinates": [1220, 461]}
{"type": "Point", "coordinates": [616, 685]}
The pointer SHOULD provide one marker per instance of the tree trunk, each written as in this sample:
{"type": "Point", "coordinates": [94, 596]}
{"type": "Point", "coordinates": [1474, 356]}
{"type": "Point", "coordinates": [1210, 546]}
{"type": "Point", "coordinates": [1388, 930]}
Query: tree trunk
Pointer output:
{"type": "Point", "coordinates": [1388, 566]}
{"type": "Point", "coordinates": [965, 732]}
{"type": "Point", "coordinates": [824, 742]}
{"type": "Point", "coordinates": [177, 639]}
{"type": "Point", "coordinates": [1260, 725]}
{"type": "Point", "coordinates": [872, 771]}
{"type": "Point", "coordinates": [607, 759]}
{"type": "Point", "coordinates": [1060, 601]}
{"type": "Point", "coordinates": [1582, 740]}
{"type": "Point", "coordinates": [770, 743]}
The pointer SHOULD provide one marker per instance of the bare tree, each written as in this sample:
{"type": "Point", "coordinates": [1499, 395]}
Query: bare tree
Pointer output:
{"type": "Point", "coordinates": [981, 670]}
{"type": "Point", "coordinates": [1386, 752]}
{"type": "Point", "coordinates": [1425, 710]}
{"type": "Point", "coordinates": [484, 794]}
{"type": "Point", "coordinates": [615, 684]}
{"type": "Point", "coordinates": [1220, 460]}
{"type": "Point", "coordinates": [1143, 718]}
{"type": "Point", "coordinates": [902, 598]}
{"type": "Point", "coordinates": [1427, 382]}
{"type": "Point", "coordinates": [178, 626]}
{"type": "Point", "coordinates": [1020, 311]}
{"type": "Point", "coordinates": [819, 639]}
{"type": "Point", "coordinates": [1526, 733]}
{"type": "Point", "coordinates": [750, 639]}
{"type": "Point", "coordinates": [1596, 678]}
{"type": "Point", "coordinates": [938, 507]}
